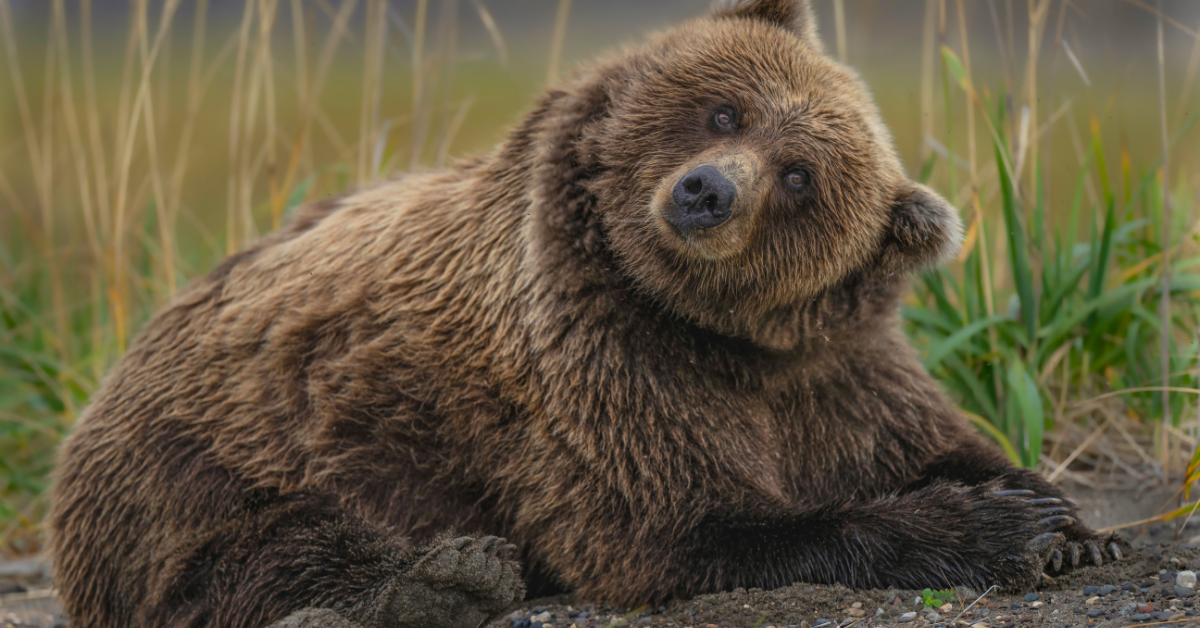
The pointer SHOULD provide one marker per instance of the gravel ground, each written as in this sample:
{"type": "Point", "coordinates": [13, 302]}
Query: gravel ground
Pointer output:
{"type": "Point", "coordinates": [1139, 590]}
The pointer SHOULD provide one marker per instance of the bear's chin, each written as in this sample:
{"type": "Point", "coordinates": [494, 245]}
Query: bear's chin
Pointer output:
{"type": "Point", "coordinates": [720, 243]}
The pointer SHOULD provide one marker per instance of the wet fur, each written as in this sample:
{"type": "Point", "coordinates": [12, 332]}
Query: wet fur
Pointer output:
{"type": "Point", "coordinates": [512, 346]}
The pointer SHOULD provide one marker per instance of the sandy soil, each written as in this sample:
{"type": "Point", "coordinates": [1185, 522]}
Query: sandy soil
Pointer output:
{"type": "Point", "coordinates": [1143, 592]}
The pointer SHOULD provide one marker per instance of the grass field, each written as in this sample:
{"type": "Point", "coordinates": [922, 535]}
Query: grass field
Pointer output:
{"type": "Point", "coordinates": [134, 157]}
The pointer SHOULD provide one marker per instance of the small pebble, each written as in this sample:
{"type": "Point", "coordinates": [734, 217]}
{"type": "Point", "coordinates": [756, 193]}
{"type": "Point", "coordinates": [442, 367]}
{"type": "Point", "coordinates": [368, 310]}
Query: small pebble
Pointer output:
{"type": "Point", "coordinates": [1140, 617]}
{"type": "Point", "coordinates": [1183, 591]}
{"type": "Point", "coordinates": [933, 618]}
{"type": "Point", "coordinates": [1095, 613]}
{"type": "Point", "coordinates": [1037, 604]}
{"type": "Point", "coordinates": [544, 617]}
{"type": "Point", "coordinates": [1107, 589]}
{"type": "Point", "coordinates": [1093, 600]}
{"type": "Point", "coordinates": [907, 617]}
{"type": "Point", "coordinates": [1032, 597]}
{"type": "Point", "coordinates": [1186, 579]}
{"type": "Point", "coordinates": [856, 605]}
{"type": "Point", "coordinates": [822, 622]}
{"type": "Point", "coordinates": [535, 624]}
{"type": "Point", "coordinates": [856, 612]}
{"type": "Point", "coordinates": [1128, 586]}
{"type": "Point", "coordinates": [1092, 590]}
{"type": "Point", "coordinates": [1145, 608]}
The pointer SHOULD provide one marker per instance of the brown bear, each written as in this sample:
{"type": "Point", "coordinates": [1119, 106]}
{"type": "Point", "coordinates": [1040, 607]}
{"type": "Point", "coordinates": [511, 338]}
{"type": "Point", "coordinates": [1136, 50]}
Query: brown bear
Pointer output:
{"type": "Point", "coordinates": [651, 340]}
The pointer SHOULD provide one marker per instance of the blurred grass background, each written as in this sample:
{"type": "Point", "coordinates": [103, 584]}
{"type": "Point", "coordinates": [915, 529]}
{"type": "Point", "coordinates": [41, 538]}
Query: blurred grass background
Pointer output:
{"type": "Point", "coordinates": [141, 142]}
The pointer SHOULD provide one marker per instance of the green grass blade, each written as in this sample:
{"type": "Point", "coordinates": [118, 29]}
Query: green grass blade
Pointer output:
{"type": "Point", "coordinates": [952, 342]}
{"type": "Point", "coordinates": [1018, 250]}
{"type": "Point", "coordinates": [1028, 403]}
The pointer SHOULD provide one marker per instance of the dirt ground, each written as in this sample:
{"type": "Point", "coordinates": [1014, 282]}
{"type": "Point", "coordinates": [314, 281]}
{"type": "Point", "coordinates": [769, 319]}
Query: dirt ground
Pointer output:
{"type": "Point", "coordinates": [1140, 591]}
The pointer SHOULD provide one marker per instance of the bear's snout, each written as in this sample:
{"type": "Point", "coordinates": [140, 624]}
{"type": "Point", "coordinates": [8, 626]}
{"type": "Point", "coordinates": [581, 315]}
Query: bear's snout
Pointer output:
{"type": "Point", "coordinates": [703, 199]}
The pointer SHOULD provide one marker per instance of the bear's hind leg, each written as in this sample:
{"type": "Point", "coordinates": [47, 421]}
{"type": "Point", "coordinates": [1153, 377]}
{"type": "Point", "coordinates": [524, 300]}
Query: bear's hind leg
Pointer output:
{"type": "Point", "coordinates": [457, 583]}
{"type": "Point", "coordinates": [303, 560]}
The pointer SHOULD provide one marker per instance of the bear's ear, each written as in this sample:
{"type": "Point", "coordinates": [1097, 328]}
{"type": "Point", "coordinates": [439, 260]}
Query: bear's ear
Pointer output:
{"type": "Point", "coordinates": [925, 229]}
{"type": "Point", "coordinates": [564, 140]}
{"type": "Point", "coordinates": [794, 15]}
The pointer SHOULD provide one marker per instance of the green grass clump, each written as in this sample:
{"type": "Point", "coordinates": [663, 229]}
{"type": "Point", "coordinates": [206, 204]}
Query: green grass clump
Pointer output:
{"type": "Point", "coordinates": [1074, 321]}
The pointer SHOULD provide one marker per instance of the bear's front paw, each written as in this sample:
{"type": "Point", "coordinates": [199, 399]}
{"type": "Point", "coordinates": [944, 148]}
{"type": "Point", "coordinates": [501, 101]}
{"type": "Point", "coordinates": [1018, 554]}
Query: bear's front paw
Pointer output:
{"type": "Point", "coordinates": [458, 583]}
{"type": "Point", "coordinates": [1059, 543]}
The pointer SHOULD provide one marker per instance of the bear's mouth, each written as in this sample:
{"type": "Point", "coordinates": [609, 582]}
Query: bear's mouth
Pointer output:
{"type": "Point", "coordinates": [718, 242]}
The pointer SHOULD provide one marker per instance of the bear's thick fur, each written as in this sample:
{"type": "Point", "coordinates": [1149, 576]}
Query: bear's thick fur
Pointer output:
{"type": "Point", "coordinates": [651, 340]}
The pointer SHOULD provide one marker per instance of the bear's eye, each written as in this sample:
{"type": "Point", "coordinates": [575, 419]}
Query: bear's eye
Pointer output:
{"type": "Point", "coordinates": [796, 179]}
{"type": "Point", "coordinates": [725, 118]}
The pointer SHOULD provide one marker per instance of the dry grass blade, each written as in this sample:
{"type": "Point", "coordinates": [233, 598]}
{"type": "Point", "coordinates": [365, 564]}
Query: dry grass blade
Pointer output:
{"type": "Point", "coordinates": [1164, 304]}
{"type": "Point", "coordinates": [1163, 17]}
{"type": "Point", "coordinates": [460, 116]}
{"type": "Point", "coordinates": [1078, 450]}
{"type": "Point", "coordinates": [418, 84]}
{"type": "Point", "coordinates": [17, 77]}
{"type": "Point", "coordinates": [489, 23]}
{"type": "Point", "coordinates": [560, 34]}
{"type": "Point", "coordinates": [372, 87]}
{"type": "Point", "coordinates": [839, 21]}
{"type": "Point", "coordinates": [1075, 62]}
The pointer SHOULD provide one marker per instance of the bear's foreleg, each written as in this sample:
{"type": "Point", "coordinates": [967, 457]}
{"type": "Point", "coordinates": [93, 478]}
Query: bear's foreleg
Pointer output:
{"type": "Point", "coordinates": [977, 462]}
{"type": "Point", "coordinates": [943, 534]}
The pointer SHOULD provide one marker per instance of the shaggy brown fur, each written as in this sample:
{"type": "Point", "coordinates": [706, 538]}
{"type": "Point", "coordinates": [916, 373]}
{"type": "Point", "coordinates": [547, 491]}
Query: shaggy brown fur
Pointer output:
{"type": "Point", "coordinates": [530, 345]}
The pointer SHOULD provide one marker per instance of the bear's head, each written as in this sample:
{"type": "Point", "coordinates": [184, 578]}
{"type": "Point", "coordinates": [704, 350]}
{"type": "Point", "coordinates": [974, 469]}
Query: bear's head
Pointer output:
{"type": "Point", "coordinates": [731, 171]}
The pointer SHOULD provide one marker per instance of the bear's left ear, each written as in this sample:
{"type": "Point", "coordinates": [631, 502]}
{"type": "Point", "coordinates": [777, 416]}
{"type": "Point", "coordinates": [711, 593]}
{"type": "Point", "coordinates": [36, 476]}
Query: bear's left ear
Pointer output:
{"type": "Point", "coordinates": [794, 15]}
{"type": "Point", "coordinates": [925, 229]}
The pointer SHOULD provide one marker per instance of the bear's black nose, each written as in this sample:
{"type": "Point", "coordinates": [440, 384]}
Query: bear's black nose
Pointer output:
{"type": "Point", "coordinates": [703, 198]}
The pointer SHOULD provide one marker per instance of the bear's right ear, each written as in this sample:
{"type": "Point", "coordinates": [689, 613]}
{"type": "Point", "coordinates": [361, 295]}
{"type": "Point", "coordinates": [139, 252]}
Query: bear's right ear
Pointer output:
{"type": "Point", "coordinates": [925, 231]}
{"type": "Point", "coordinates": [794, 15]}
